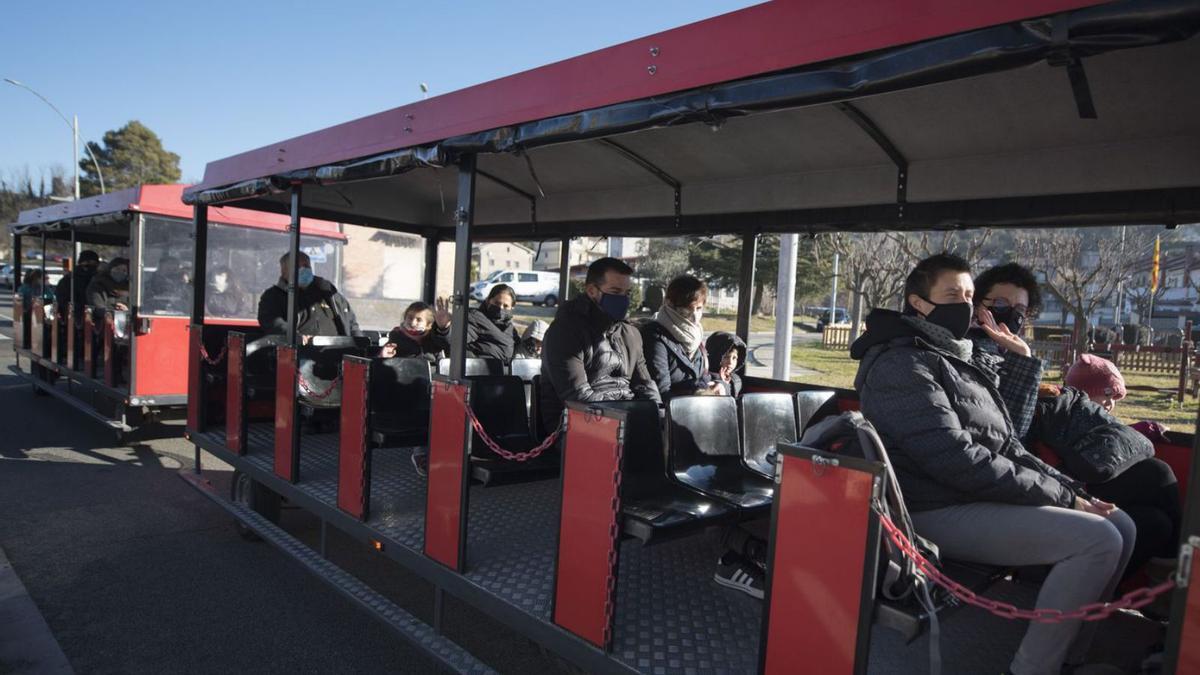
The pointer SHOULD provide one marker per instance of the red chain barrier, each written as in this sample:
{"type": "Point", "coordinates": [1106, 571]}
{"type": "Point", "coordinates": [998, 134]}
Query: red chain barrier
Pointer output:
{"type": "Point", "coordinates": [511, 456]}
{"type": "Point", "coordinates": [308, 390]}
{"type": "Point", "coordinates": [1095, 611]}
{"type": "Point", "coordinates": [211, 361]}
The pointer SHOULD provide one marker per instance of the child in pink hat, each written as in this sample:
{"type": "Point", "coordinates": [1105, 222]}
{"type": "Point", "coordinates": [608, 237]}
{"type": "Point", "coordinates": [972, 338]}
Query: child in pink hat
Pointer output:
{"type": "Point", "coordinates": [1098, 378]}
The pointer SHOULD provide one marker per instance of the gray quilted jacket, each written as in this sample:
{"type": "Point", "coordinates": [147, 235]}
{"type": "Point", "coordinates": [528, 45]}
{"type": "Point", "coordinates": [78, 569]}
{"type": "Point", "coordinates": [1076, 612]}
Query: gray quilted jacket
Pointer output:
{"type": "Point", "coordinates": [935, 404]}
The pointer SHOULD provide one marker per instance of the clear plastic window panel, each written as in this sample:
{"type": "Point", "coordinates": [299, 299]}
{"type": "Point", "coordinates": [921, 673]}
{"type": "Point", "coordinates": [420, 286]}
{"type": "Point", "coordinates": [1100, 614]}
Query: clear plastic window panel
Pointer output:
{"type": "Point", "coordinates": [165, 270]}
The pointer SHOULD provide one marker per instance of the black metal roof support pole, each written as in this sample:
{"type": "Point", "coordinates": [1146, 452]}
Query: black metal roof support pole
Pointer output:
{"type": "Point", "coordinates": [746, 285]}
{"type": "Point", "coordinates": [199, 261]}
{"type": "Point", "coordinates": [654, 169]}
{"type": "Point", "coordinates": [429, 291]}
{"type": "Point", "coordinates": [868, 125]}
{"type": "Point", "coordinates": [464, 215]}
{"type": "Point", "coordinates": [564, 270]}
{"type": "Point", "coordinates": [71, 273]}
{"type": "Point", "coordinates": [16, 267]}
{"type": "Point", "coordinates": [293, 271]}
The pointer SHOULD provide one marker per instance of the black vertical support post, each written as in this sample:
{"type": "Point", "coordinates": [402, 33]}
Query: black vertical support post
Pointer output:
{"type": "Point", "coordinates": [293, 271]}
{"type": "Point", "coordinates": [464, 215]}
{"type": "Point", "coordinates": [746, 285]}
{"type": "Point", "coordinates": [431, 267]}
{"type": "Point", "coordinates": [564, 270]}
{"type": "Point", "coordinates": [43, 257]}
{"type": "Point", "coordinates": [199, 261]}
{"type": "Point", "coordinates": [71, 282]}
{"type": "Point", "coordinates": [16, 269]}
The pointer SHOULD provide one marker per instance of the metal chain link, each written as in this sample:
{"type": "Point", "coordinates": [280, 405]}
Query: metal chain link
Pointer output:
{"type": "Point", "coordinates": [506, 454]}
{"type": "Point", "coordinates": [213, 361]}
{"type": "Point", "coordinates": [1095, 611]}
{"type": "Point", "coordinates": [308, 390]}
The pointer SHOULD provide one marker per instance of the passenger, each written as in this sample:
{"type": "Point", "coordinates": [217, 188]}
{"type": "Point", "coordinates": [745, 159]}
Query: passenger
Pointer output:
{"type": "Point", "coordinates": [490, 333]}
{"type": "Point", "coordinates": [167, 287]}
{"type": "Point", "coordinates": [674, 341]}
{"type": "Point", "coordinates": [726, 359]}
{"type": "Point", "coordinates": [591, 353]}
{"type": "Point", "coordinates": [971, 486]}
{"type": "Point", "coordinates": [109, 288]}
{"type": "Point", "coordinates": [34, 288]}
{"type": "Point", "coordinates": [531, 340]}
{"type": "Point", "coordinates": [320, 309]}
{"type": "Point", "coordinates": [1148, 490]}
{"type": "Point", "coordinates": [225, 297]}
{"type": "Point", "coordinates": [424, 333]}
{"type": "Point", "coordinates": [85, 269]}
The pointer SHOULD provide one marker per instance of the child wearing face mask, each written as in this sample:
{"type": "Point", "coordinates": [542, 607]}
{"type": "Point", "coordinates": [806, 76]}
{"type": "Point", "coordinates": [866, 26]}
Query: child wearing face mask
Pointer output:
{"type": "Point", "coordinates": [109, 289]}
{"type": "Point", "coordinates": [424, 333]}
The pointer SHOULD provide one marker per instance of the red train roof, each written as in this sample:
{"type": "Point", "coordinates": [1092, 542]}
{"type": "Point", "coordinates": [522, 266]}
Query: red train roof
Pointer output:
{"type": "Point", "coordinates": [165, 200]}
{"type": "Point", "coordinates": [764, 38]}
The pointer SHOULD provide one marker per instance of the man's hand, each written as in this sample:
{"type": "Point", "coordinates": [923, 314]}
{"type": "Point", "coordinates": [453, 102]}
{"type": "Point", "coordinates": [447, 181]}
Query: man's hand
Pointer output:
{"type": "Point", "coordinates": [441, 313]}
{"type": "Point", "coordinates": [1093, 505]}
{"type": "Point", "coordinates": [305, 339]}
{"type": "Point", "coordinates": [389, 350]}
{"type": "Point", "coordinates": [121, 307]}
{"type": "Point", "coordinates": [1000, 333]}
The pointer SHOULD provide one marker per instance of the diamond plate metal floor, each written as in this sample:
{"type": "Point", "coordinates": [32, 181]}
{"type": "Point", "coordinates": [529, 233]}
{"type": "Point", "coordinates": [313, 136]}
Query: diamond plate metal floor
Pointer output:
{"type": "Point", "coordinates": [671, 617]}
{"type": "Point", "coordinates": [511, 537]}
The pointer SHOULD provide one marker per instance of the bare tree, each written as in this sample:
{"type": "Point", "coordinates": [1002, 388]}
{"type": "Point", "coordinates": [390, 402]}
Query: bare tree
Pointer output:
{"type": "Point", "coordinates": [1082, 272]}
{"type": "Point", "coordinates": [874, 266]}
{"type": "Point", "coordinates": [919, 246]}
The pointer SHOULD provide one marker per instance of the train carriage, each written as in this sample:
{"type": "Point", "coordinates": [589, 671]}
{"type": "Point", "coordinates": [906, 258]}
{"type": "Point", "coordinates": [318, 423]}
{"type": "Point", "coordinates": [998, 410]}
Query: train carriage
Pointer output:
{"type": "Point", "coordinates": [122, 368]}
{"type": "Point", "coordinates": [783, 117]}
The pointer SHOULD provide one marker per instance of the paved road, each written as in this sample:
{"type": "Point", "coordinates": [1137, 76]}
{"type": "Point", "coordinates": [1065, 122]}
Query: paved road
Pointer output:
{"type": "Point", "coordinates": [136, 573]}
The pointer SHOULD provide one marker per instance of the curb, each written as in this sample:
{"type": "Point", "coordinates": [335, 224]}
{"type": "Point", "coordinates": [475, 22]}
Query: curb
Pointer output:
{"type": "Point", "coordinates": [26, 643]}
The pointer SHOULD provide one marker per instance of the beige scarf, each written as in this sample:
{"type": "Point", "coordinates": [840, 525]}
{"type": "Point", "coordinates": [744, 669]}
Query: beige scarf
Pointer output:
{"type": "Point", "coordinates": [680, 324]}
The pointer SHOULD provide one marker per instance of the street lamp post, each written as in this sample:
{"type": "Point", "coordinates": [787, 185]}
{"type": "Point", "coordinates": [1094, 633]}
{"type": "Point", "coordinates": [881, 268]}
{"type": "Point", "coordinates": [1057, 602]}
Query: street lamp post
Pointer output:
{"type": "Point", "coordinates": [74, 136]}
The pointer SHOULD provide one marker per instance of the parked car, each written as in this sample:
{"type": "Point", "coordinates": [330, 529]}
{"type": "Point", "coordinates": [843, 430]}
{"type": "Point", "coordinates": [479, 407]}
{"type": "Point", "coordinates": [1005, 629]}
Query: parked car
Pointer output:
{"type": "Point", "coordinates": [6, 279]}
{"type": "Point", "coordinates": [838, 316]}
{"type": "Point", "coordinates": [540, 288]}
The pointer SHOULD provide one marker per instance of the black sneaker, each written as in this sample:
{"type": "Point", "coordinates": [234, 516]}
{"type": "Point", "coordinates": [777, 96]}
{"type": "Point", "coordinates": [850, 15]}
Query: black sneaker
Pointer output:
{"type": "Point", "coordinates": [420, 462]}
{"type": "Point", "coordinates": [736, 573]}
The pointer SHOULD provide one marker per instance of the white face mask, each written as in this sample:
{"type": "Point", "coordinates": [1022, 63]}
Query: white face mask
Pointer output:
{"type": "Point", "coordinates": [220, 282]}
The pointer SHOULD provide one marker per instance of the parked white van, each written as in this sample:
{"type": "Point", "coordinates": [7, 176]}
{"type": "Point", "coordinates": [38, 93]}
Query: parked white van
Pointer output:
{"type": "Point", "coordinates": [540, 288]}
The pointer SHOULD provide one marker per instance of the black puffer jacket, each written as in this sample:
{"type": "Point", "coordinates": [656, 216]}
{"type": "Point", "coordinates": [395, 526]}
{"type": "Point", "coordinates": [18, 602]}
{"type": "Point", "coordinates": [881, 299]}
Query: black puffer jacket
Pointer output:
{"type": "Point", "coordinates": [717, 345]}
{"type": "Point", "coordinates": [586, 356]}
{"type": "Point", "coordinates": [486, 340]}
{"type": "Point", "coordinates": [320, 310]}
{"type": "Point", "coordinates": [433, 345]}
{"type": "Point", "coordinates": [935, 404]}
{"type": "Point", "coordinates": [1093, 445]}
{"type": "Point", "coordinates": [673, 371]}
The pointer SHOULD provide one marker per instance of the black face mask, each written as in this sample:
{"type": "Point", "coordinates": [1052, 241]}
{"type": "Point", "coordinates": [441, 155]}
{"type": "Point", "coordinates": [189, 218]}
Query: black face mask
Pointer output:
{"type": "Point", "coordinates": [1009, 317]}
{"type": "Point", "coordinates": [499, 316]}
{"type": "Point", "coordinates": [953, 316]}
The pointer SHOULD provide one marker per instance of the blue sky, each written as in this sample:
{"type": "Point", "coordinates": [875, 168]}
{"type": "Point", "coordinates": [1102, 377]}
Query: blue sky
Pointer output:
{"type": "Point", "coordinates": [218, 77]}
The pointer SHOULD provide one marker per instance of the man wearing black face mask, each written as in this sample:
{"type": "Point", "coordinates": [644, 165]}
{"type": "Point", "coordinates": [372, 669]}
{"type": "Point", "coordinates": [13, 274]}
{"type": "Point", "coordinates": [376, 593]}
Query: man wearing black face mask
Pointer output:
{"type": "Point", "coordinates": [970, 485]}
{"type": "Point", "coordinates": [490, 333]}
{"type": "Point", "coordinates": [590, 353]}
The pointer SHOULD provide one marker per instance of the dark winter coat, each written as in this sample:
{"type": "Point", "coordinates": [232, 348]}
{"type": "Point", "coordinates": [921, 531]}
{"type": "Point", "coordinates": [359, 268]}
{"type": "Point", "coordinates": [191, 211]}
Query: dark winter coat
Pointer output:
{"type": "Point", "coordinates": [231, 303]}
{"type": "Point", "coordinates": [433, 345]}
{"type": "Point", "coordinates": [1092, 444]}
{"type": "Point", "coordinates": [320, 310]}
{"type": "Point", "coordinates": [935, 404]}
{"type": "Point", "coordinates": [673, 371]}
{"type": "Point", "coordinates": [586, 356]}
{"type": "Point", "coordinates": [62, 291]}
{"type": "Point", "coordinates": [104, 292]}
{"type": "Point", "coordinates": [486, 340]}
{"type": "Point", "coordinates": [1019, 379]}
{"type": "Point", "coordinates": [718, 345]}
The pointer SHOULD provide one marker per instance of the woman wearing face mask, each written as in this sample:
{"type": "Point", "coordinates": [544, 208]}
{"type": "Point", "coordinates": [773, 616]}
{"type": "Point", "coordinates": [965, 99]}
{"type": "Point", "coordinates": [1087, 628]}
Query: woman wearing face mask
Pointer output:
{"type": "Point", "coordinates": [490, 333]}
{"type": "Point", "coordinates": [109, 290]}
{"type": "Point", "coordinates": [225, 298]}
{"type": "Point", "coordinates": [1008, 295]}
{"type": "Point", "coordinates": [674, 341]}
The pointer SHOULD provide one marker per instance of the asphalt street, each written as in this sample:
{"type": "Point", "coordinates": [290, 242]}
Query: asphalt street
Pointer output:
{"type": "Point", "coordinates": [135, 572]}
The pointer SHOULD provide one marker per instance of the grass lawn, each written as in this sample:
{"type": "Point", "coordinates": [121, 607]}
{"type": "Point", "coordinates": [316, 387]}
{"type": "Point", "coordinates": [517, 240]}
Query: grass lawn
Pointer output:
{"type": "Point", "coordinates": [835, 368]}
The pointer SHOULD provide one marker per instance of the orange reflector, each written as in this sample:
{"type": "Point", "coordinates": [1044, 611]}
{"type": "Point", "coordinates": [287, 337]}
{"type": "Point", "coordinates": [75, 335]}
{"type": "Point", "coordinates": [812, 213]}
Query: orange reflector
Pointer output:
{"type": "Point", "coordinates": [376, 544]}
